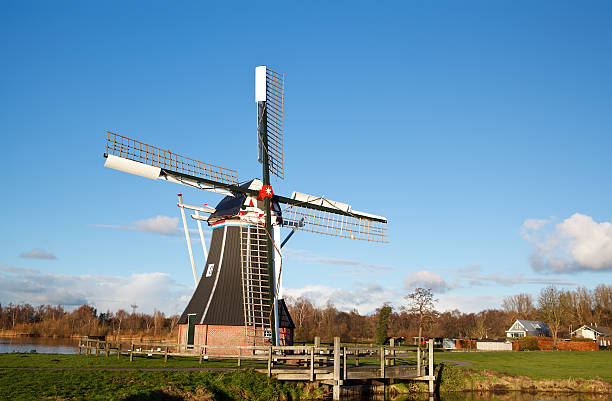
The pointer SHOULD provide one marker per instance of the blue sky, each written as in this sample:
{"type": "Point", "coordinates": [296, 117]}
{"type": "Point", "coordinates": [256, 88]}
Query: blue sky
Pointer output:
{"type": "Point", "coordinates": [480, 129]}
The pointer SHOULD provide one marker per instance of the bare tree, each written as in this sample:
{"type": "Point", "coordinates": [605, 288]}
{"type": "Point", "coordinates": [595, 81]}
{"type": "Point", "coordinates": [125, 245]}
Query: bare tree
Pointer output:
{"type": "Point", "coordinates": [120, 316]}
{"type": "Point", "coordinates": [480, 329]}
{"type": "Point", "coordinates": [520, 306]}
{"type": "Point", "coordinates": [421, 302]}
{"type": "Point", "coordinates": [158, 320]}
{"type": "Point", "coordinates": [554, 310]}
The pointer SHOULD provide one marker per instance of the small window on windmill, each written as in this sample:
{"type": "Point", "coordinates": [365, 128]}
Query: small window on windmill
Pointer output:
{"type": "Point", "coordinates": [267, 333]}
{"type": "Point", "coordinates": [209, 270]}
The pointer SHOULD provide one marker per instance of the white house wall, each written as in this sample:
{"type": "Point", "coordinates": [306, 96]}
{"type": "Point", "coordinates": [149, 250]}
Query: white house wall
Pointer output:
{"type": "Point", "coordinates": [493, 346]}
{"type": "Point", "coordinates": [583, 333]}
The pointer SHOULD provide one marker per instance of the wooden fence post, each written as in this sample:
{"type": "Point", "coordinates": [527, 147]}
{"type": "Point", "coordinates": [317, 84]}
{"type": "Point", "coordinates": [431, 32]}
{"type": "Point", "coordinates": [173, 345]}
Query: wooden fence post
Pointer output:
{"type": "Point", "coordinates": [337, 380]}
{"type": "Point", "coordinates": [239, 354]}
{"type": "Point", "coordinates": [132, 352]}
{"type": "Point", "coordinates": [382, 362]}
{"type": "Point", "coordinates": [336, 358]}
{"type": "Point", "coordinates": [118, 350]}
{"type": "Point", "coordinates": [269, 361]}
{"type": "Point", "coordinates": [431, 367]}
{"type": "Point", "coordinates": [166, 355]}
{"type": "Point", "coordinates": [106, 347]}
{"type": "Point", "coordinates": [97, 347]}
{"type": "Point", "coordinates": [312, 362]}
{"type": "Point", "coordinates": [419, 360]}
{"type": "Point", "coordinates": [344, 374]}
{"type": "Point", "coordinates": [392, 345]}
{"type": "Point", "coordinates": [201, 353]}
{"type": "Point", "coordinates": [80, 346]}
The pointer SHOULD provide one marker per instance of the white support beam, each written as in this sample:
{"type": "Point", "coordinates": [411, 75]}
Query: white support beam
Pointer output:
{"type": "Point", "coordinates": [201, 236]}
{"type": "Point", "coordinates": [195, 276]}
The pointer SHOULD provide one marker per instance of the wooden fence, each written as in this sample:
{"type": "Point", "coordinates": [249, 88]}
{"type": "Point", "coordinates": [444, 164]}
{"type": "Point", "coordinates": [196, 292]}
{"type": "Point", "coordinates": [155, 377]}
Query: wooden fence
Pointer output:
{"type": "Point", "coordinates": [331, 365]}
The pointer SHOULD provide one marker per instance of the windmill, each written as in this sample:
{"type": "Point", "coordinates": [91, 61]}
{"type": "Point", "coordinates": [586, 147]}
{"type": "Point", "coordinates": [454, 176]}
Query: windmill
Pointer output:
{"type": "Point", "coordinates": [238, 299]}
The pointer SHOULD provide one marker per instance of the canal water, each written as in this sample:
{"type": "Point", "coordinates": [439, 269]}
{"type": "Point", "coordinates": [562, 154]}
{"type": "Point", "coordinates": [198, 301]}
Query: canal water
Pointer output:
{"type": "Point", "coordinates": [39, 345]}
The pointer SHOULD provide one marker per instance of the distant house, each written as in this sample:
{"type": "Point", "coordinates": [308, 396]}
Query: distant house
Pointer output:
{"type": "Point", "coordinates": [601, 334]}
{"type": "Point", "coordinates": [528, 328]}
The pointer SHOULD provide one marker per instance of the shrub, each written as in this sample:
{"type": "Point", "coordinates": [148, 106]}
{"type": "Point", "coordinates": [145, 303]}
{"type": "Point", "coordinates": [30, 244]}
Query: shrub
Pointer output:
{"type": "Point", "coordinates": [528, 344]}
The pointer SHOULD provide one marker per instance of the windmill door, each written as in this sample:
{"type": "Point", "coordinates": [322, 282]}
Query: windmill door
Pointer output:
{"type": "Point", "coordinates": [190, 329]}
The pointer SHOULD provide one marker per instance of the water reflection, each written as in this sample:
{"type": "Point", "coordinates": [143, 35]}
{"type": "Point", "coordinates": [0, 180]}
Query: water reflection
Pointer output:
{"type": "Point", "coordinates": [40, 345]}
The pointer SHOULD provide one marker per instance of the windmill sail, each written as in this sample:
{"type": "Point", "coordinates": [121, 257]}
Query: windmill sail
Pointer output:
{"type": "Point", "coordinates": [324, 216]}
{"type": "Point", "coordinates": [270, 92]}
{"type": "Point", "coordinates": [135, 157]}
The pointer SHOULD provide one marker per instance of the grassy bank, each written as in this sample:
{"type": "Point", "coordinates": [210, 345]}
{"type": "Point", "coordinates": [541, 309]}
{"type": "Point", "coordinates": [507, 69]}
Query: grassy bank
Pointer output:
{"type": "Point", "coordinates": [460, 379]}
{"type": "Point", "coordinates": [524, 372]}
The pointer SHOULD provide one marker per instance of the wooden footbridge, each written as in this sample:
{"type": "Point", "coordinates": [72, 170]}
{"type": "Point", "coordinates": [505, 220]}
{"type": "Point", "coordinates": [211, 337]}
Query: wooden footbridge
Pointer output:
{"type": "Point", "coordinates": [340, 365]}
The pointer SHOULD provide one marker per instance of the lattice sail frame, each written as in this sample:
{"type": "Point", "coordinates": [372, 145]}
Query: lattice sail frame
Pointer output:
{"type": "Point", "coordinates": [255, 285]}
{"type": "Point", "coordinates": [275, 97]}
{"type": "Point", "coordinates": [131, 149]}
{"type": "Point", "coordinates": [301, 217]}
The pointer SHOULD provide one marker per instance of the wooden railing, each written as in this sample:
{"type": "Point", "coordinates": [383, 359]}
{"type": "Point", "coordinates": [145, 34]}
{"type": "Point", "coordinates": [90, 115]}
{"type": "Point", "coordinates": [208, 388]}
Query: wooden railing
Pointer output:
{"type": "Point", "coordinates": [303, 362]}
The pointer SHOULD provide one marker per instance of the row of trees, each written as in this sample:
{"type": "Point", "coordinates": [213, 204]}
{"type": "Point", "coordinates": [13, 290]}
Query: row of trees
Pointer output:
{"type": "Point", "coordinates": [47, 320]}
{"type": "Point", "coordinates": [563, 310]}
{"type": "Point", "coordinates": [412, 320]}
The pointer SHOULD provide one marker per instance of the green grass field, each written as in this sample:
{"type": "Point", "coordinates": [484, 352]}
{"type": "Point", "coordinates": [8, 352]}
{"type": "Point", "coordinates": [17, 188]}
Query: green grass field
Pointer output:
{"type": "Point", "coordinates": [87, 377]}
{"type": "Point", "coordinates": [140, 385]}
{"type": "Point", "coordinates": [539, 364]}
{"type": "Point", "coordinates": [16, 360]}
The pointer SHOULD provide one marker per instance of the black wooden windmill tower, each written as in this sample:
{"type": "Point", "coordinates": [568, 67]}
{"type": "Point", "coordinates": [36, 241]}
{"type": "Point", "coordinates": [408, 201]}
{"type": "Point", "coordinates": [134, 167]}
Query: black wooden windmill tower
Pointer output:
{"type": "Point", "coordinates": [238, 299]}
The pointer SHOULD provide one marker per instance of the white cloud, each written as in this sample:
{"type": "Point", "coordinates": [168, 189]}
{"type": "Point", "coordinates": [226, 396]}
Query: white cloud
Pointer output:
{"type": "Point", "coordinates": [577, 243]}
{"type": "Point", "coordinates": [467, 278]}
{"type": "Point", "coordinates": [531, 225]}
{"type": "Point", "coordinates": [37, 254]}
{"type": "Point", "coordinates": [354, 266]}
{"type": "Point", "coordinates": [163, 225]}
{"type": "Point", "coordinates": [160, 224]}
{"type": "Point", "coordinates": [468, 303]}
{"type": "Point", "coordinates": [426, 279]}
{"type": "Point", "coordinates": [363, 297]}
{"type": "Point", "coordinates": [148, 290]}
